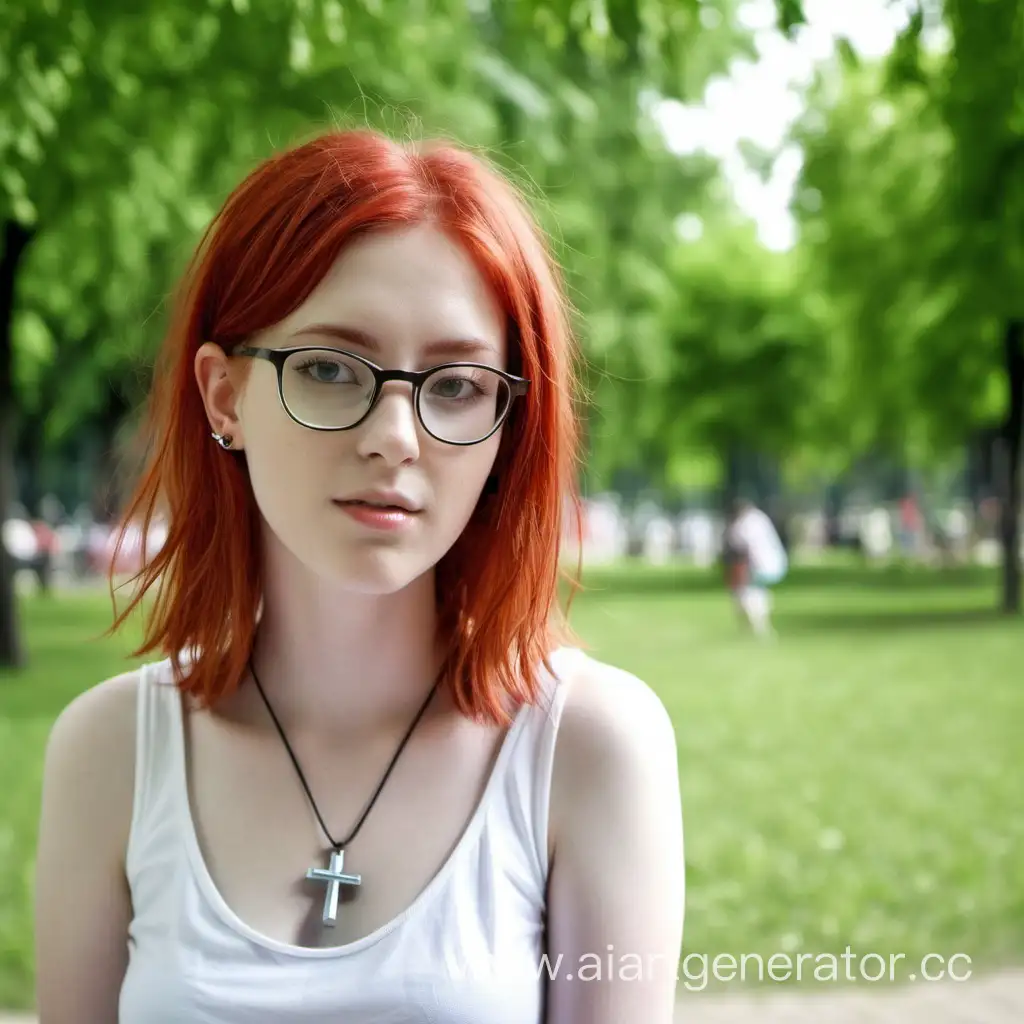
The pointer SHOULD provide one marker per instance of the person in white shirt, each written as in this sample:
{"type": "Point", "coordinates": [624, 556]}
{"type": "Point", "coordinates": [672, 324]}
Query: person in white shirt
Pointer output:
{"type": "Point", "coordinates": [757, 560]}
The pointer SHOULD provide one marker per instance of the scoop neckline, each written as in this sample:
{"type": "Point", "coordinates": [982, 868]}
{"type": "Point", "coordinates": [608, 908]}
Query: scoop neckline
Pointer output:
{"type": "Point", "coordinates": [220, 906]}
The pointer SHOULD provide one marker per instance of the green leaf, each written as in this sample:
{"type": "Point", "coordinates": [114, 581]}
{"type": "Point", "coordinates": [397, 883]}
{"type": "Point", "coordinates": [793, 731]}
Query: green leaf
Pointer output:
{"type": "Point", "coordinates": [790, 15]}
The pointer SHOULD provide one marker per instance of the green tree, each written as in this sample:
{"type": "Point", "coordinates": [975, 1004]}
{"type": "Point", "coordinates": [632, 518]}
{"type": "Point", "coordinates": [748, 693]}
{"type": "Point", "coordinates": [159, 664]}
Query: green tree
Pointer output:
{"type": "Point", "coordinates": [912, 221]}
{"type": "Point", "coordinates": [982, 98]}
{"type": "Point", "coordinates": [740, 364]}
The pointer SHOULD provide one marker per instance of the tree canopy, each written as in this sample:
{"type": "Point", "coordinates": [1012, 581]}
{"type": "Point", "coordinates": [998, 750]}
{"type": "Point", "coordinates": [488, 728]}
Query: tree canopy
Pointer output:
{"type": "Point", "coordinates": [912, 208]}
{"type": "Point", "coordinates": [123, 126]}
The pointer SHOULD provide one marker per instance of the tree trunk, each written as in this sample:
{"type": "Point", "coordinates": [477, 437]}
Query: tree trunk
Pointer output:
{"type": "Point", "coordinates": [733, 478]}
{"type": "Point", "coordinates": [108, 497]}
{"type": "Point", "coordinates": [1013, 437]}
{"type": "Point", "coordinates": [15, 241]}
{"type": "Point", "coordinates": [978, 474]}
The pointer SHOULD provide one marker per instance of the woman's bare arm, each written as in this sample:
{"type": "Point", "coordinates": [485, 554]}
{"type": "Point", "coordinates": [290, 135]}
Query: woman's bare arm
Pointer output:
{"type": "Point", "coordinates": [617, 879]}
{"type": "Point", "coordinates": [82, 900]}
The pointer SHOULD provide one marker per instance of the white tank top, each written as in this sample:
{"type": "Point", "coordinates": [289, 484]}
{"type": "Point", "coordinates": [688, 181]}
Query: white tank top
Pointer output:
{"type": "Point", "coordinates": [469, 949]}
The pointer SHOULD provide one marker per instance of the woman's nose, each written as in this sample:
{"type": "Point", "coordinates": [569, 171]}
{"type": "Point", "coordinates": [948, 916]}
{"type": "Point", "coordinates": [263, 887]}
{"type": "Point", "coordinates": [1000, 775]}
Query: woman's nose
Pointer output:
{"type": "Point", "coordinates": [391, 430]}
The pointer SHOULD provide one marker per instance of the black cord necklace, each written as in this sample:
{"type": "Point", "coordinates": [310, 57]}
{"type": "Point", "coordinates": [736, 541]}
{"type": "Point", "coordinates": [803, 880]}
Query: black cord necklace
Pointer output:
{"type": "Point", "coordinates": [334, 875]}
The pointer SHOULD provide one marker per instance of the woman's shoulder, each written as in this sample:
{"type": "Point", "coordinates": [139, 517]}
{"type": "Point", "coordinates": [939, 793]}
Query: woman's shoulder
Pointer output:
{"type": "Point", "coordinates": [616, 767]}
{"type": "Point", "coordinates": [100, 715]}
{"type": "Point", "coordinates": [89, 765]}
{"type": "Point", "coordinates": [607, 704]}
{"type": "Point", "coordinates": [613, 725]}
{"type": "Point", "coordinates": [98, 727]}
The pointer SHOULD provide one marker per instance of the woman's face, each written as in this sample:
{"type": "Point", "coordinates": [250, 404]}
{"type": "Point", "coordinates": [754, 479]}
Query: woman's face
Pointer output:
{"type": "Point", "coordinates": [409, 300]}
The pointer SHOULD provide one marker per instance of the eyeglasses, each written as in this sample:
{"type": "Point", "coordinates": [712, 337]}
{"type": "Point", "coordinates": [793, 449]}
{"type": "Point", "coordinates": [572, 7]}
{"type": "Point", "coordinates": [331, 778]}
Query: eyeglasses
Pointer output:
{"type": "Point", "coordinates": [329, 389]}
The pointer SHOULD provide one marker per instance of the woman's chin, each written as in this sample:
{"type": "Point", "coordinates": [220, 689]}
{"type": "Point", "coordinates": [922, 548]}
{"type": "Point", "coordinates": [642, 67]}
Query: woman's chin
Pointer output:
{"type": "Point", "coordinates": [377, 573]}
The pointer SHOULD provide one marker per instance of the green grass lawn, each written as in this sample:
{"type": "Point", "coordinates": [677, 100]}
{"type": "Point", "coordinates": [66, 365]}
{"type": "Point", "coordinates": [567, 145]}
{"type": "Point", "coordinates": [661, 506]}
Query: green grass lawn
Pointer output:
{"type": "Point", "coordinates": [857, 783]}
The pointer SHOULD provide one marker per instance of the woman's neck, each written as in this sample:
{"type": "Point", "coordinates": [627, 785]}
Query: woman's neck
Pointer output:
{"type": "Point", "coordinates": [340, 662]}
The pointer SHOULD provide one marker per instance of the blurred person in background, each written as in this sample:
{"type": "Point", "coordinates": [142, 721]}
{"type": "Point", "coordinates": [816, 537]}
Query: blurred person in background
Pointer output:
{"type": "Point", "coordinates": [32, 545]}
{"type": "Point", "coordinates": [755, 559]}
{"type": "Point", "coordinates": [370, 778]}
{"type": "Point", "coordinates": [48, 544]}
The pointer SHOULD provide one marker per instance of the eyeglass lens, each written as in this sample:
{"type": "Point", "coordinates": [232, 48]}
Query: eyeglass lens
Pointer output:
{"type": "Point", "coordinates": [328, 389]}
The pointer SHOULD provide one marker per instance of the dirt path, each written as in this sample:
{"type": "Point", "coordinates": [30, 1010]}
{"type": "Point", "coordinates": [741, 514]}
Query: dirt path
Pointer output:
{"type": "Point", "coordinates": [993, 999]}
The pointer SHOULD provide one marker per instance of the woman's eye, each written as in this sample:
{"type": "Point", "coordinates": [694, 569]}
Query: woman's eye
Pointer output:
{"type": "Point", "coordinates": [324, 371]}
{"type": "Point", "coordinates": [451, 387]}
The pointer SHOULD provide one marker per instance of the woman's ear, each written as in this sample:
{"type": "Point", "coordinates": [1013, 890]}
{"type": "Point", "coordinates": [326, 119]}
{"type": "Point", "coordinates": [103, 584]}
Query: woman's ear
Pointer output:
{"type": "Point", "coordinates": [219, 387]}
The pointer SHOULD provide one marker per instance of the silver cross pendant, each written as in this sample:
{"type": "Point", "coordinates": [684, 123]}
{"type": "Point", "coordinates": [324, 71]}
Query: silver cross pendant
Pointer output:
{"type": "Point", "coordinates": [335, 878]}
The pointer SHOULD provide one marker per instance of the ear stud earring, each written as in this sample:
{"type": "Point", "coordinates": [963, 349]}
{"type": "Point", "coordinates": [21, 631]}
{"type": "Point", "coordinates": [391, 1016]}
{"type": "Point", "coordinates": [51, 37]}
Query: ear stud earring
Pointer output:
{"type": "Point", "coordinates": [224, 440]}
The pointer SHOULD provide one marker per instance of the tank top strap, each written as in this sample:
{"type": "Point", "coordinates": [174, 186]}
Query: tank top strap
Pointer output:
{"type": "Point", "coordinates": [158, 753]}
{"type": "Point", "coordinates": [530, 768]}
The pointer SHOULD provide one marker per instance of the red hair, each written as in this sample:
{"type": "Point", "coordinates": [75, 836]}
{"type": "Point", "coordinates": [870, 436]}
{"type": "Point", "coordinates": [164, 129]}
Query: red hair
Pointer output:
{"type": "Point", "coordinates": [275, 238]}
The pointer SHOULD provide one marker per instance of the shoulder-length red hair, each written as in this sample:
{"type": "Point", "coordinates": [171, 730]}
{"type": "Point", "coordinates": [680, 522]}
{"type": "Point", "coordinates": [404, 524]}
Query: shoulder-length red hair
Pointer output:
{"type": "Point", "coordinates": [269, 246]}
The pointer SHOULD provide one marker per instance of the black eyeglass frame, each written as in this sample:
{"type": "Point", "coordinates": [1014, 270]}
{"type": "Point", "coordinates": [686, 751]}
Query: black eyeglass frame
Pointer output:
{"type": "Point", "coordinates": [518, 386]}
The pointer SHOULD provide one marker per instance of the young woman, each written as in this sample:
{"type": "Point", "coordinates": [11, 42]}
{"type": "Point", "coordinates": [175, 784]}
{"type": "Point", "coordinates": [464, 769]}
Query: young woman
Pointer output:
{"type": "Point", "coordinates": [368, 781]}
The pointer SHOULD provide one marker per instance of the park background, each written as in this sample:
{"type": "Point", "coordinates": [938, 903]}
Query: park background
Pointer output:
{"type": "Point", "coordinates": [794, 240]}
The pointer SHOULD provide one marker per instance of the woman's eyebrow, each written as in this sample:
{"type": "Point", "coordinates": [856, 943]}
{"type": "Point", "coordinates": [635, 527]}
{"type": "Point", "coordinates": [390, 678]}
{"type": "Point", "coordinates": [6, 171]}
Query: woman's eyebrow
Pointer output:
{"type": "Point", "coordinates": [443, 347]}
{"type": "Point", "coordinates": [460, 347]}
